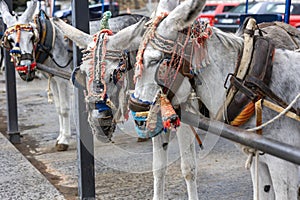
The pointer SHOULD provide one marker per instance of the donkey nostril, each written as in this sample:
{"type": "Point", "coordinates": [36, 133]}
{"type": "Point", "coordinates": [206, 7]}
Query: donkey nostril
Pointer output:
{"type": "Point", "coordinates": [267, 188]}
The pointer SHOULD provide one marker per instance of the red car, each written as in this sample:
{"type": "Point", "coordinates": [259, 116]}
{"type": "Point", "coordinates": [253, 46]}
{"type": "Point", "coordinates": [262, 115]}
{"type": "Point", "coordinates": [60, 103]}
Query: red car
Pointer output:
{"type": "Point", "coordinates": [211, 9]}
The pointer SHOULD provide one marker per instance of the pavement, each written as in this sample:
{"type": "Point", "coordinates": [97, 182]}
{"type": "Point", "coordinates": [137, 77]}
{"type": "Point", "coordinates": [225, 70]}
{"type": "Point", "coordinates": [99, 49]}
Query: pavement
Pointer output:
{"type": "Point", "coordinates": [20, 179]}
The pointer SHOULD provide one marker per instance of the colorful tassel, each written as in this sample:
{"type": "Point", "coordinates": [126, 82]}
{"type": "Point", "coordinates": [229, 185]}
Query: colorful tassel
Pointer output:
{"type": "Point", "coordinates": [169, 116]}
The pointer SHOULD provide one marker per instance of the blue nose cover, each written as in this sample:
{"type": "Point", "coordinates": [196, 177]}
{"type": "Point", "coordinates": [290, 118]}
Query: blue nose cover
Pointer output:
{"type": "Point", "coordinates": [101, 106]}
{"type": "Point", "coordinates": [141, 129]}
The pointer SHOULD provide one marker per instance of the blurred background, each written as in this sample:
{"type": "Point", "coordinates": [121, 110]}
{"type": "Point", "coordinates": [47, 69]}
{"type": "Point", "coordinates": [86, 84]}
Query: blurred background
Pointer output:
{"type": "Point", "coordinates": [226, 15]}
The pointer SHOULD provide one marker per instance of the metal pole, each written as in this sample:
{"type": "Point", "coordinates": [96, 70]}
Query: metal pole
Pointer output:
{"type": "Point", "coordinates": [53, 8]}
{"type": "Point", "coordinates": [54, 71]}
{"type": "Point", "coordinates": [246, 8]}
{"type": "Point", "coordinates": [267, 145]}
{"type": "Point", "coordinates": [287, 11]}
{"type": "Point", "coordinates": [11, 96]}
{"type": "Point", "coordinates": [102, 1]}
{"type": "Point", "coordinates": [85, 142]}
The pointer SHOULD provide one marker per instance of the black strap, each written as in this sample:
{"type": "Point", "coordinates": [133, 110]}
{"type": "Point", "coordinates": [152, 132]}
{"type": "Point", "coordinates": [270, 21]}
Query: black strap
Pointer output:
{"type": "Point", "coordinates": [253, 81]}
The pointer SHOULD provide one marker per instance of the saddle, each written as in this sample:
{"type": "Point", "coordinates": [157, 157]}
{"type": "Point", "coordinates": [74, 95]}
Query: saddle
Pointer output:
{"type": "Point", "coordinates": [253, 84]}
{"type": "Point", "coordinates": [259, 73]}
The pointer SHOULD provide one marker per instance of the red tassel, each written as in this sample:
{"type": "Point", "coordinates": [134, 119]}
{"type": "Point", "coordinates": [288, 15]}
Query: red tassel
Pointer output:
{"type": "Point", "coordinates": [169, 116]}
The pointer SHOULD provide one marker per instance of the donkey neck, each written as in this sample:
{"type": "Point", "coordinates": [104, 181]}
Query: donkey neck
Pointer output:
{"type": "Point", "coordinates": [223, 50]}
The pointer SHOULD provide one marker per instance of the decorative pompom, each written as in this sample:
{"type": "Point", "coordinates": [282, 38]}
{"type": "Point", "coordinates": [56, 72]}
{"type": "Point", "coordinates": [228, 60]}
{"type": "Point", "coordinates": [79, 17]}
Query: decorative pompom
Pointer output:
{"type": "Point", "coordinates": [169, 116]}
{"type": "Point", "coordinates": [16, 51]}
{"type": "Point", "coordinates": [104, 21]}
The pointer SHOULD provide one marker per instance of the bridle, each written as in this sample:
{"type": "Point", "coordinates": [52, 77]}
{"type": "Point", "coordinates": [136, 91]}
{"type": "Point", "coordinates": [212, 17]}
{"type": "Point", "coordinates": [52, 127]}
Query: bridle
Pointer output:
{"type": "Point", "coordinates": [98, 54]}
{"type": "Point", "coordinates": [43, 41]}
{"type": "Point", "coordinates": [177, 54]}
{"type": "Point", "coordinates": [174, 66]}
{"type": "Point", "coordinates": [96, 96]}
{"type": "Point", "coordinates": [26, 72]}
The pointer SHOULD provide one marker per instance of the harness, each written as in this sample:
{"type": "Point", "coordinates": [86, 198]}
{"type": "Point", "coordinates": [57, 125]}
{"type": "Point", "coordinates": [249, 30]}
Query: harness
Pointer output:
{"type": "Point", "coordinates": [46, 34]}
{"type": "Point", "coordinates": [249, 83]}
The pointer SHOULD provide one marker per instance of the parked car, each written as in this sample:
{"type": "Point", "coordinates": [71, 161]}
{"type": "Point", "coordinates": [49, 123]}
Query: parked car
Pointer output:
{"type": "Point", "coordinates": [294, 13]}
{"type": "Point", "coordinates": [231, 20]}
{"type": "Point", "coordinates": [95, 11]}
{"type": "Point", "coordinates": [211, 9]}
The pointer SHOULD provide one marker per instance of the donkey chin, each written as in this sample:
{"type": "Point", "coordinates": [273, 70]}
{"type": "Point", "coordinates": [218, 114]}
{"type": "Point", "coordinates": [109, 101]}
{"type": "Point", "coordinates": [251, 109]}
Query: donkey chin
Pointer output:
{"type": "Point", "coordinates": [102, 124]}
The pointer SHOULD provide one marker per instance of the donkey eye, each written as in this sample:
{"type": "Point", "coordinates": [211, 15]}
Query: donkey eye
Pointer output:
{"type": "Point", "coordinates": [153, 62]}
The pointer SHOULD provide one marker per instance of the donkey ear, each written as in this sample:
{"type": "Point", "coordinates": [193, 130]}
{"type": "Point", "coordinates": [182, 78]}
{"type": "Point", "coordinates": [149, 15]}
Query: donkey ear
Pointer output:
{"type": "Point", "coordinates": [81, 38]}
{"type": "Point", "coordinates": [130, 37]}
{"type": "Point", "coordinates": [183, 15]}
{"type": "Point", "coordinates": [8, 19]}
{"type": "Point", "coordinates": [27, 16]}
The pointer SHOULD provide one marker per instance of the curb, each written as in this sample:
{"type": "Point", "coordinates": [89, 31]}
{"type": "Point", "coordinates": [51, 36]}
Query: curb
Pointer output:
{"type": "Point", "coordinates": [19, 179]}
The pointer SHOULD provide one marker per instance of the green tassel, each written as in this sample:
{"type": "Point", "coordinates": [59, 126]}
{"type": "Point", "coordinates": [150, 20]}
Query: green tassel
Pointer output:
{"type": "Point", "coordinates": [104, 21]}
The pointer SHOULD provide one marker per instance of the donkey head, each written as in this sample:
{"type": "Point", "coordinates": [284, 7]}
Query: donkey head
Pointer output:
{"type": "Point", "coordinates": [158, 51]}
{"type": "Point", "coordinates": [21, 38]}
{"type": "Point", "coordinates": [107, 69]}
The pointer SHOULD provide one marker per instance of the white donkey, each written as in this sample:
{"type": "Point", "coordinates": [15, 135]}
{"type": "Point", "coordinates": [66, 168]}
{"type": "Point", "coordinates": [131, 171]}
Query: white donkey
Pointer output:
{"type": "Point", "coordinates": [219, 52]}
{"type": "Point", "coordinates": [34, 39]}
{"type": "Point", "coordinates": [129, 39]}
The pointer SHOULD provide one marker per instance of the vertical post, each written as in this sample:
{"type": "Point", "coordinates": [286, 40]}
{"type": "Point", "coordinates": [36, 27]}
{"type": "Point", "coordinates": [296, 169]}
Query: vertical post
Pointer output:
{"type": "Point", "coordinates": [246, 8]}
{"type": "Point", "coordinates": [85, 143]}
{"type": "Point", "coordinates": [102, 8]}
{"type": "Point", "coordinates": [287, 11]}
{"type": "Point", "coordinates": [11, 95]}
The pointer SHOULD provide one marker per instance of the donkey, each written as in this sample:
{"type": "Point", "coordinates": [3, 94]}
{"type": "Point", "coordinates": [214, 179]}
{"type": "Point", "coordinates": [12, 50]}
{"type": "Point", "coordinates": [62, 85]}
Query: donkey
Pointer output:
{"type": "Point", "coordinates": [129, 39]}
{"type": "Point", "coordinates": [214, 58]}
{"type": "Point", "coordinates": [28, 46]}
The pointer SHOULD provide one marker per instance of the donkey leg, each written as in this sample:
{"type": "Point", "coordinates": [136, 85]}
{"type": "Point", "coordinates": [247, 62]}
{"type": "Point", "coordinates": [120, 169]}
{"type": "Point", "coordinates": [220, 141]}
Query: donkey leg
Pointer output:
{"type": "Point", "coordinates": [55, 92]}
{"type": "Point", "coordinates": [160, 160]}
{"type": "Point", "coordinates": [186, 141]}
{"type": "Point", "coordinates": [64, 104]}
{"type": "Point", "coordinates": [284, 177]}
{"type": "Point", "coordinates": [265, 186]}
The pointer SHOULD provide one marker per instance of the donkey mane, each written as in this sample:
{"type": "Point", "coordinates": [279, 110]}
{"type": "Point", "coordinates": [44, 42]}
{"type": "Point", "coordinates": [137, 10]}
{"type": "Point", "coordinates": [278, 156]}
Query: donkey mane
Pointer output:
{"type": "Point", "coordinates": [229, 40]}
